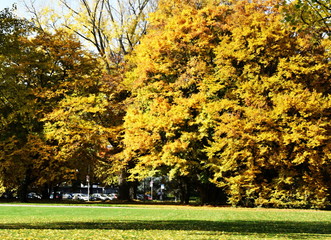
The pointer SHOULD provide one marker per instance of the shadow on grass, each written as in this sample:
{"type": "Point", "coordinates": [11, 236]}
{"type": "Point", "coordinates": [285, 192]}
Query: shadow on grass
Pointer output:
{"type": "Point", "coordinates": [245, 227]}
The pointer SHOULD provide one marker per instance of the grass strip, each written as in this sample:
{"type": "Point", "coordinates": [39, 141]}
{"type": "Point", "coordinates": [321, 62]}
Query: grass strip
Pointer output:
{"type": "Point", "coordinates": [160, 222]}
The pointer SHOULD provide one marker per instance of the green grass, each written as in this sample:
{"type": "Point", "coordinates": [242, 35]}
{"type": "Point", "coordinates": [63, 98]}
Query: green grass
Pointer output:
{"type": "Point", "coordinates": [161, 222]}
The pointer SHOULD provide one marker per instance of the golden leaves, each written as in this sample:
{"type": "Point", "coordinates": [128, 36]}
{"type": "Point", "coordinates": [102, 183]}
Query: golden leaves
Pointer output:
{"type": "Point", "coordinates": [234, 90]}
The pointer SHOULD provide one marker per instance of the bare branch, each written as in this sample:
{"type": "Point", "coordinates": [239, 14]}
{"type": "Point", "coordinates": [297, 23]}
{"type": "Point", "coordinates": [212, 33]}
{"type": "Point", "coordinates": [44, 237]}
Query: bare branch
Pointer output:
{"type": "Point", "coordinates": [31, 9]}
{"type": "Point", "coordinates": [64, 2]}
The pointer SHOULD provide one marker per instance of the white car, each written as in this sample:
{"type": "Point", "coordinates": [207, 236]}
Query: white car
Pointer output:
{"type": "Point", "coordinates": [99, 196]}
{"type": "Point", "coordinates": [80, 196]}
{"type": "Point", "coordinates": [112, 196]}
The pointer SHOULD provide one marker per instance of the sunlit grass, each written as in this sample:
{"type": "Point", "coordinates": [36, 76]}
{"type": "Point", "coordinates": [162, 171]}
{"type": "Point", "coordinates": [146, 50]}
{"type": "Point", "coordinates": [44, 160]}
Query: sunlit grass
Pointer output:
{"type": "Point", "coordinates": [161, 222]}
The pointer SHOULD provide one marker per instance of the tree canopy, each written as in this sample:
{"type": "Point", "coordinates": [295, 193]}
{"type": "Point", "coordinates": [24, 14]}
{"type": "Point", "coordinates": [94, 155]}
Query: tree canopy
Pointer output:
{"type": "Point", "coordinates": [235, 92]}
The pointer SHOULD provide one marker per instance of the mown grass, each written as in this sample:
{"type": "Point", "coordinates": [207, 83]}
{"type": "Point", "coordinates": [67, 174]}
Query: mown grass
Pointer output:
{"type": "Point", "coordinates": [161, 222]}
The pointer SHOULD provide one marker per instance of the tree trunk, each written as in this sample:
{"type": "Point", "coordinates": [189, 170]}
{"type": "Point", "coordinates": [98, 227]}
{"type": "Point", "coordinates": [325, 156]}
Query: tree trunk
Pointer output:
{"type": "Point", "coordinates": [210, 194]}
{"type": "Point", "coordinates": [133, 189]}
{"type": "Point", "coordinates": [45, 191]}
{"type": "Point", "coordinates": [123, 187]}
{"type": "Point", "coordinates": [184, 189]}
{"type": "Point", "coordinates": [23, 188]}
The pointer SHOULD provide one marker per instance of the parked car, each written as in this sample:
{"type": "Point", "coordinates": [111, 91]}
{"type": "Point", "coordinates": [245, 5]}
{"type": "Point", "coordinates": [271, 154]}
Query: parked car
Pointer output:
{"type": "Point", "coordinates": [33, 195]}
{"type": "Point", "coordinates": [109, 196]}
{"type": "Point", "coordinates": [140, 196]}
{"type": "Point", "coordinates": [99, 196]}
{"type": "Point", "coordinates": [112, 196]}
{"type": "Point", "coordinates": [80, 196]}
{"type": "Point", "coordinates": [57, 195]}
{"type": "Point", "coordinates": [67, 196]}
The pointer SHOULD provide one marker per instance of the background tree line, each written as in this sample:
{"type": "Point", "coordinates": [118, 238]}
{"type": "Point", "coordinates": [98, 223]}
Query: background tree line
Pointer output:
{"type": "Point", "coordinates": [227, 98]}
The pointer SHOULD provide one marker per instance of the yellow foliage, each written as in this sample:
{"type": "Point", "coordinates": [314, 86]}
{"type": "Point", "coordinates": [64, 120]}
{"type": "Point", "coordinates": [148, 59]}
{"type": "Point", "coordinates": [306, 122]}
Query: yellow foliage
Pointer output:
{"type": "Point", "coordinates": [235, 90]}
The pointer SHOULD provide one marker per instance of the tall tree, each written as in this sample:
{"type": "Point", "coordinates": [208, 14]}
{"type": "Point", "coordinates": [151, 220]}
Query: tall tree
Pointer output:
{"type": "Point", "coordinates": [234, 95]}
{"type": "Point", "coordinates": [269, 110]}
{"type": "Point", "coordinates": [39, 71]}
{"type": "Point", "coordinates": [17, 110]}
{"type": "Point", "coordinates": [112, 29]}
{"type": "Point", "coordinates": [22, 147]}
{"type": "Point", "coordinates": [162, 125]}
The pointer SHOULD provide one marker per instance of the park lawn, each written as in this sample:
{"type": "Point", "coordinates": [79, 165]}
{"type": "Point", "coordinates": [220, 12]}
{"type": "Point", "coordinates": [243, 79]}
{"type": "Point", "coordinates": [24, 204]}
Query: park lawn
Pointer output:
{"type": "Point", "coordinates": [160, 222]}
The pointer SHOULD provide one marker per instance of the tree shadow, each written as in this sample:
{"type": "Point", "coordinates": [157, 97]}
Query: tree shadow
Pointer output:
{"type": "Point", "coordinates": [243, 227]}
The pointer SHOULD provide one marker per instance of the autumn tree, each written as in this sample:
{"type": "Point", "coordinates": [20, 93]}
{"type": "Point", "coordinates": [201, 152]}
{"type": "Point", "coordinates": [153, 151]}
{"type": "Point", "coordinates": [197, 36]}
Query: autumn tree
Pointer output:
{"type": "Point", "coordinates": [41, 72]}
{"type": "Point", "coordinates": [112, 29]}
{"type": "Point", "coordinates": [269, 110]}
{"type": "Point", "coordinates": [162, 129]}
{"type": "Point", "coordinates": [20, 126]}
{"type": "Point", "coordinates": [236, 95]}
{"type": "Point", "coordinates": [84, 126]}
